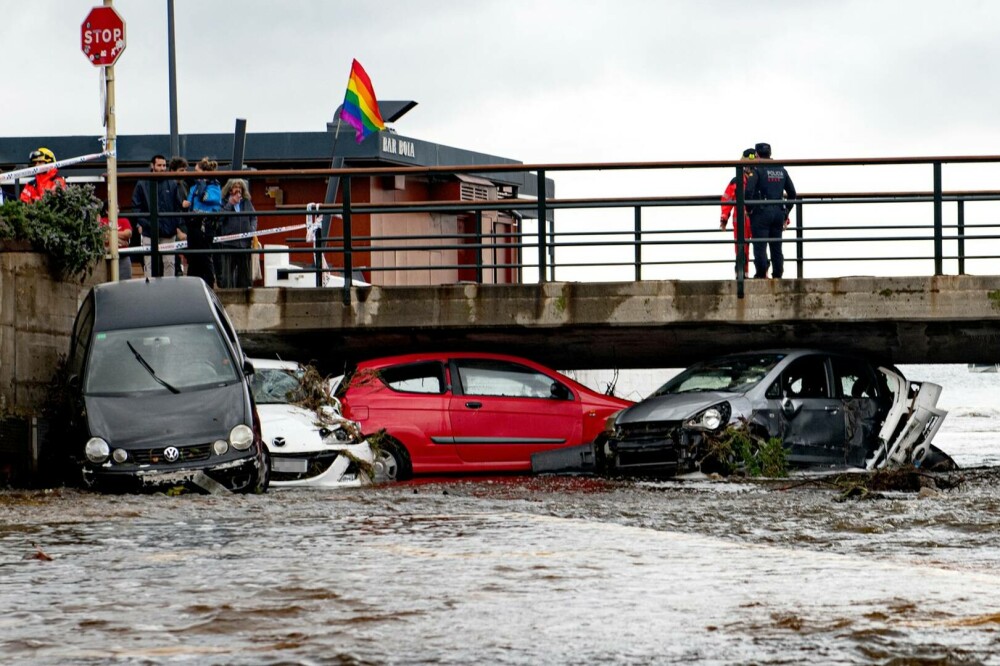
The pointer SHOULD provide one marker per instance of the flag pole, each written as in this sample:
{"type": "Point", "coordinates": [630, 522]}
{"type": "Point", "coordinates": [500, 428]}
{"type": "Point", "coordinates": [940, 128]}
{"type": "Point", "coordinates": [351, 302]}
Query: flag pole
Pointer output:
{"type": "Point", "coordinates": [332, 186]}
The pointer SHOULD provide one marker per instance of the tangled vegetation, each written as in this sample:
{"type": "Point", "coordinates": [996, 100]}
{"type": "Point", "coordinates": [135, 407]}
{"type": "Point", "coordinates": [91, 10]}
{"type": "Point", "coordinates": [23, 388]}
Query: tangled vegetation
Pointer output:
{"type": "Point", "coordinates": [65, 224]}
{"type": "Point", "coordinates": [739, 450]}
{"type": "Point", "coordinates": [315, 396]}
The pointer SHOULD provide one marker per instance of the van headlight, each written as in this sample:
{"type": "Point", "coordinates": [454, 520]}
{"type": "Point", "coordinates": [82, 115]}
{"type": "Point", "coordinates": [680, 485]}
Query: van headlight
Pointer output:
{"type": "Point", "coordinates": [241, 437]}
{"type": "Point", "coordinates": [712, 418]}
{"type": "Point", "coordinates": [96, 450]}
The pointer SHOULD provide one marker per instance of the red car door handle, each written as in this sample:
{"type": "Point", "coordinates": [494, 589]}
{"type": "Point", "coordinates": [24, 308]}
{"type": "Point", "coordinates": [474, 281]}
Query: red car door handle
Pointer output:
{"type": "Point", "coordinates": [473, 405]}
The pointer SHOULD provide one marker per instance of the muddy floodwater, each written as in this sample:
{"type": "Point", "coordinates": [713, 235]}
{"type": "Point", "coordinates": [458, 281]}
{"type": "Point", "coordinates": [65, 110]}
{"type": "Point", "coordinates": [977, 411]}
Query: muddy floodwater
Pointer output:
{"type": "Point", "coordinates": [508, 570]}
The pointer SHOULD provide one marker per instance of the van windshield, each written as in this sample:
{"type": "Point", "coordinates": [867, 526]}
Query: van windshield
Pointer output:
{"type": "Point", "coordinates": [181, 357]}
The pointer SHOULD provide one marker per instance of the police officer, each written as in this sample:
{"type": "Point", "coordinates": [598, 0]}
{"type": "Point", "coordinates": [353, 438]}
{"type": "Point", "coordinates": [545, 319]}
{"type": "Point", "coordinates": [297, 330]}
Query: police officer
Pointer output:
{"type": "Point", "coordinates": [769, 182]}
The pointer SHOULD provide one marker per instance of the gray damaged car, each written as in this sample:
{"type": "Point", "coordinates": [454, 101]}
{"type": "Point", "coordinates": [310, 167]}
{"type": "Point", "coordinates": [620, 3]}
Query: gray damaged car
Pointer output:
{"type": "Point", "coordinates": [828, 410]}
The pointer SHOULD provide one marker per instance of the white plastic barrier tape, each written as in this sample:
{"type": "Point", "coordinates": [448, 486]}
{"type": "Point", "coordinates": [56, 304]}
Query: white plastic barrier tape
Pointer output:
{"type": "Point", "coordinates": [180, 245]}
{"type": "Point", "coordinates": [11, 176]}
{"type": "Point", "coordinates": [260, 232]}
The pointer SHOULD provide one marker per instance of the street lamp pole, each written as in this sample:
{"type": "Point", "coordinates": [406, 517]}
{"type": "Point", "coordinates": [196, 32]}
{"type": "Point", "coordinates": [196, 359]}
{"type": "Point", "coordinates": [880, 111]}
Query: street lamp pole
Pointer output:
{"type": "Point", "coordinates": [175, 148]}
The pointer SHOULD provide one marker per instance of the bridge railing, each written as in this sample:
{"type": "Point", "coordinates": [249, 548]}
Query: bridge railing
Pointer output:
{"type": "Point", "coordinates": [663, 235]}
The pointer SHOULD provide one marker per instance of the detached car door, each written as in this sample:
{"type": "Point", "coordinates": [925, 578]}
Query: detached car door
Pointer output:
{"type": "Point", "coordinates": [866, 401]}
{"type": "Point", "coordinates": [807, 414]}
{"type": "Point", "coordinates": [502, 412]}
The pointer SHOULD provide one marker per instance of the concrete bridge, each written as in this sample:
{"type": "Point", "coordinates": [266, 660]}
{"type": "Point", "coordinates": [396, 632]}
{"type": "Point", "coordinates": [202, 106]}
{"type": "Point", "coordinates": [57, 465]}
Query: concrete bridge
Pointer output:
{"type": "Point", "coordinates": [648, 324]}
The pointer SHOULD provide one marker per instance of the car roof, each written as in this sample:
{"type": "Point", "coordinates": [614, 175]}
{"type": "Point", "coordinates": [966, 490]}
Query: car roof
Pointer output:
{"type": "Point", "coordinates": [793, 353]}
{"type": "Point", "coordinates": [152, 302]}
{"type": "Point", "coordinates": [402, 359]}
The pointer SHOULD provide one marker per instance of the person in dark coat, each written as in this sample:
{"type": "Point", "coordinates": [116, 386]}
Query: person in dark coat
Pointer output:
{"type": "Point", "coordinates": [168, 200]}
{"type": "Point", "coordinates": [234, 271]}
{"type": "Point", "coordinates": [180, 164]}
{"type": "Point", "coordinates": [769, 182]}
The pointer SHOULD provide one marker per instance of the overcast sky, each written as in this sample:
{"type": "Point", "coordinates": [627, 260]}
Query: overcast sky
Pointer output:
{"type": "Point", "coordinates": [543, 81]}
{"type": "Point", "coordinates": [537, 81]}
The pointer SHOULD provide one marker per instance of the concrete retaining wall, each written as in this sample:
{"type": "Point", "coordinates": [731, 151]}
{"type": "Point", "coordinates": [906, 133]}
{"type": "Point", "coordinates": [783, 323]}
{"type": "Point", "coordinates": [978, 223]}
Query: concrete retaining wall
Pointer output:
{"type": "Point", "coordinates": [36, 319]}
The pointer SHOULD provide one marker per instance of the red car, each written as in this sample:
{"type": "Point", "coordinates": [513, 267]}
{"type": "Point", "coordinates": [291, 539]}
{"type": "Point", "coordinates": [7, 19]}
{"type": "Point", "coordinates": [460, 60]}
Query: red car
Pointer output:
{"type": "Point", "coordinates": [468, 412]}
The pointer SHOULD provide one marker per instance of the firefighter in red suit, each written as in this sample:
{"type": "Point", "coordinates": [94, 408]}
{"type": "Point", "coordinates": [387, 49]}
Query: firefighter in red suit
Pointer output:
{"type": "Point", "coordinates": [44, 181]}
{"type": "Point", "coordinates": [729, 206]}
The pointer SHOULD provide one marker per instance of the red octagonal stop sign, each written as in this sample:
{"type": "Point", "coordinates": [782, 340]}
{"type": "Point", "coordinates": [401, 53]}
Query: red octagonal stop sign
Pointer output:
{"type": "Point", "coordinates": [102, 36]}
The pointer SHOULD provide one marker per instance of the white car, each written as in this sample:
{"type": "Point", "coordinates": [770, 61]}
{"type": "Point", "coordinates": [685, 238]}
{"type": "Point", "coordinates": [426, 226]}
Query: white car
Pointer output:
{"type": "Point", "coordinates": [319, 450]}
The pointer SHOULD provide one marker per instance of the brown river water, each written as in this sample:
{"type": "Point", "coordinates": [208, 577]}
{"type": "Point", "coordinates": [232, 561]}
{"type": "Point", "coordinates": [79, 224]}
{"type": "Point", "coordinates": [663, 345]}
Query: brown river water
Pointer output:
{"type": "Point", "coordinates": [505, 570]}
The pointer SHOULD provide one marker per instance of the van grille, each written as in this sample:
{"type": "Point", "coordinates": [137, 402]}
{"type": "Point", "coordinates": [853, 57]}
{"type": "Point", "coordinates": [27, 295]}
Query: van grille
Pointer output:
{"type": "Point", "coordinates": [155, 456]}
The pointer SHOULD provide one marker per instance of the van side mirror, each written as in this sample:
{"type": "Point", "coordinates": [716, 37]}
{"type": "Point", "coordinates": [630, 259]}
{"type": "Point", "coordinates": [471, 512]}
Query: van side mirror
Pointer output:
{"type": "Point", "coordinates": [248, 368]}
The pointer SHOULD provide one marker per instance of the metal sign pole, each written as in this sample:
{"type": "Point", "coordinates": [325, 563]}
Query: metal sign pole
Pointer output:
{"type": "Point", "coordinates": [109, 81]}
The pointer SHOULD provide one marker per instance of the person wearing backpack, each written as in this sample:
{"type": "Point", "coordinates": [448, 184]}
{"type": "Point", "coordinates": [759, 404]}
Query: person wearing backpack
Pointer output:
{"type": "Point", "coordinates": [205, 196]}
{"type": "Point", "coordinates": [769, 182]}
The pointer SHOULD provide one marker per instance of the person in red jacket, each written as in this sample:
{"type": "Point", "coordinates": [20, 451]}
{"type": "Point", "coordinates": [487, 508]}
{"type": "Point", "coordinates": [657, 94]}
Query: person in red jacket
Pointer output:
{"type": "Point", "coordinates": [729, 206]}
{"type": "Point", "coordinates": [44, 181]}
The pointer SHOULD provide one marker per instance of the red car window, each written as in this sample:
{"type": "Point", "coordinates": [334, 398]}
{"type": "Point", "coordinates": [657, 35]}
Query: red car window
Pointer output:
{"type": "Point", "coordinates": [415, 378]}
{"type": "Point", "coordinates": [498, 378]}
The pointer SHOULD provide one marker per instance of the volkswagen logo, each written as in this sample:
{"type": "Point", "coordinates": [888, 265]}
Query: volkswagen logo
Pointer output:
{"type": "Point", "coordinates": [171, 454]}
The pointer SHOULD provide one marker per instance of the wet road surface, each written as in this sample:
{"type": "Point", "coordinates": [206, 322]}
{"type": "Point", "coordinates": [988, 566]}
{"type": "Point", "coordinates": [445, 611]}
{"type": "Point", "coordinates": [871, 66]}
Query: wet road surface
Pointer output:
{"type": "Point", "coordinates": [509, 570]}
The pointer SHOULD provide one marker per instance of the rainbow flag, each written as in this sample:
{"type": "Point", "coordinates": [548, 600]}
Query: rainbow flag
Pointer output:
{"type": "Point", "coordinates": [360, 108]}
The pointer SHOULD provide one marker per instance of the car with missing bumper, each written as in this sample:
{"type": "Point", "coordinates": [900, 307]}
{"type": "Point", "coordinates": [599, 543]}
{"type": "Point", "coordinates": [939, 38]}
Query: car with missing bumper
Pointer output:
{"type": "Point", "coordinates": [826, 409]}
{"type": "Point", "coordinates": [158, 392]}
{"type": "Point", "coordinates": [310, 446]}
{"type": "Point", "coordinates": [459, 412]}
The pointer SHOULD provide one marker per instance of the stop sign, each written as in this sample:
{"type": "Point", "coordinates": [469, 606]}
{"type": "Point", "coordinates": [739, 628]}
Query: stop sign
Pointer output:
{"type": "Point", "coordinates": [102, 36]}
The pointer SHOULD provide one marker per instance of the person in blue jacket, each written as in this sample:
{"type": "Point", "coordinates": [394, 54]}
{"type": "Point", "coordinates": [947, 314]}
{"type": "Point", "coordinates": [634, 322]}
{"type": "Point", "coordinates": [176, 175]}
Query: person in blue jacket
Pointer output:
{"type": "Point", "coordinates": [769, 182]}
{"type": "Point", "coordinates": [205, 196]}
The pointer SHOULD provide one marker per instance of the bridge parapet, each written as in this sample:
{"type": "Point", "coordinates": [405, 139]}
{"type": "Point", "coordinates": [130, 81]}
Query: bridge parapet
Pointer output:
{"type": "Point", "coordinates": [667, 323]}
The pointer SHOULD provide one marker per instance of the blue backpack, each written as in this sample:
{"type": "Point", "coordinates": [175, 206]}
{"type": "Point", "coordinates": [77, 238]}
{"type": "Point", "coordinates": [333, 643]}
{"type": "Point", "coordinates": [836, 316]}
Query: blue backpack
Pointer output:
{"type": "Point", "coordinates": [206, 196]}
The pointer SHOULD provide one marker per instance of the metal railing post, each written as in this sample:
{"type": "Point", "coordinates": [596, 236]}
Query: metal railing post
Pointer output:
{"type": "Point", "coordinates": [961, 237]}
{"type": "Point", "coordinates": [638, 244]}
{"type": "Point", "coordinates": [938, 224]}
{"type": "Point", "coordinates": [348, 242]}
{"type": "Point", "coordinates": [799, 245]}
{"type": "Point", "coordinates": [741, 235]}
{"type": "Point", "coordinates": [542, 208]}
{"type": "Point", "coordinates": [153, 192]}
{"type": "Point", "coordinates": [479, 247]}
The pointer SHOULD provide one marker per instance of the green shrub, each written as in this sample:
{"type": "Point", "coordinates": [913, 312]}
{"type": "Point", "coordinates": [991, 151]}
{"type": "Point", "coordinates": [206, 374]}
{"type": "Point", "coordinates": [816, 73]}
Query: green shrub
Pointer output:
{"type": "Point", "coordinates": [65, 224]}
{"type": "Point", "coordinates": [738, 449]}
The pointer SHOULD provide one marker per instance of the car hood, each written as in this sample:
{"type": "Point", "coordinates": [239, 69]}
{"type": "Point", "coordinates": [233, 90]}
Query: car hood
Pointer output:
{"type": "Point", "coordinates": [296, 425]}
{"type": "Point", "coordinates": [300, 429]}
{"type": "Point", "coordinates": [189, 417]}
{"type": "Point", "coordinates": [675, 407]}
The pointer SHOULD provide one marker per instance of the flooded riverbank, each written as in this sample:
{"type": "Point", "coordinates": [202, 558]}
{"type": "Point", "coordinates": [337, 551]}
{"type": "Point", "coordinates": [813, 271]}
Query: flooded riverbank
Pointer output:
{"type": "Point", "coordinates": [510, 570]}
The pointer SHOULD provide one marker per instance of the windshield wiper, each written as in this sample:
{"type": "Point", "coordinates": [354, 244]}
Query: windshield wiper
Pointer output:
{"type": "Point", "coordinates": [149, 369]}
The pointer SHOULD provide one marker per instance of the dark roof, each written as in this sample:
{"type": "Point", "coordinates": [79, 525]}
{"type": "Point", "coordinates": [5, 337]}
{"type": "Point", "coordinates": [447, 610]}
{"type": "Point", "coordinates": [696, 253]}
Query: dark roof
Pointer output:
{"type": "Point", "coordinates": [154, 302]}
{"type": "Point", "coordinates": [391, 110]}
{"type": "Point", "coordinates": [273, 150]}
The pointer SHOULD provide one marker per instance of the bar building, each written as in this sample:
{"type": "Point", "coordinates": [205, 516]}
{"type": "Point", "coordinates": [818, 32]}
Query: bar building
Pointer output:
{"type": "Point", "coordinates": [451, 264]}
